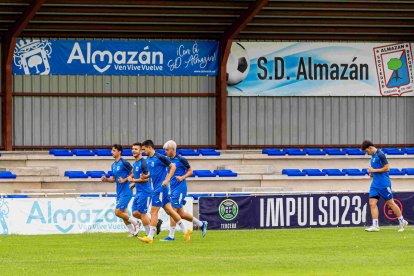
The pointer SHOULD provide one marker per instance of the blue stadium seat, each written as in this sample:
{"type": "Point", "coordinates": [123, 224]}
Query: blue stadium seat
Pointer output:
{"type": "Point", "coordinates": [95, 174]}
{"type": "Point", "coordinates": [293, 172]}
{"type": "Point", "coordinates": [208, 152]}
{"type": "Point", "coordinates": [188, 152]}
{"type": "Point", "coordinates": [409, 150]}
{"type": "Point", "coordinates": [7, 175]}
{"type": "Point", "coordinates": [15, 196]}
{"type": "Point", "coordinates": [225, 173]}
{"type": "Point", "coordinates": [354, 151]}
{"type": "Point", "coordinates": [265, 151]}
{"type": "Point", "coordinates": [61, 152]}
{"type": "Point", "coordinates": [313, 172]}
{"type": "Point", "coordinates": [395, 171]}
{"type": "Point", "coordinates": [76, 174]}
{"type": "Point", "coordinates": [295, 152]}
{"type": "Point", "coordinates": [354, 172]}
{"type": "Point", "coordinates": [333, 172]}
{"type": "Point", "coordinates": [109, 174]}
{"type": "Point", "coordinates": [409, 171]}
{"type": "Point", "coordinates": [393, 151]}
{"type": "Point", "coordinates": [89, 195]}
{"type": "Point", "coordinates": [83, 152]}
{"type": "Point", "coordinates": [204, 173]}
{"type": "Point", "coordinates": [126, 152]}
{"type": "Point", "coordinates": [335, 151]}
{"type": "Point", "coordinates": [312, 151]}
{"type": "Point", "coordinates": [276, 152]}
{"type": "Point", "coordinates": [102, 152]}
{"type": "Point", "coordinates": [160, 151]}
{"type": "Point", "coordinates": [365, 171]}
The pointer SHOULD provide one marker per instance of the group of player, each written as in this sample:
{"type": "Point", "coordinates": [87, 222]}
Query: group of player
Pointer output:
{"type": "Point", "coordinates": [159, 181]}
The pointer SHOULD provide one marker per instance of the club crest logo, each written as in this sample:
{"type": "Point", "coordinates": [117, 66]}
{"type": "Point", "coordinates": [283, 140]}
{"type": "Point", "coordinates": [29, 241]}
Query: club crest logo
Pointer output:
{"type": "Point", "coordinates": [394, 64]}
{"type": "Point", "coordinates": [33, 56]}
{"type": "Point", "coordinates": [228, 209]}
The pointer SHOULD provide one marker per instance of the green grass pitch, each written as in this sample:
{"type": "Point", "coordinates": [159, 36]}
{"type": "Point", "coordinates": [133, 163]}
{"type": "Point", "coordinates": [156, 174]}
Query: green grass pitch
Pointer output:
{"type": "Point", "coordinates": [345, 251]}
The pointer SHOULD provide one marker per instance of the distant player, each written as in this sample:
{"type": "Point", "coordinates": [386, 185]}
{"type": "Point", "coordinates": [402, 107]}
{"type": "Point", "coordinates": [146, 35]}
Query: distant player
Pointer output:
{"type": "Point", "coordinates": [121, 169]}
{"type": "Point", "coordinates": [178, 189]}
{"type": "Point", "coordinates": [139, 180]}
{"type": "Point", "coordinates": [380, 186]}
{"type": "Point", "coordinates": [157, 167]}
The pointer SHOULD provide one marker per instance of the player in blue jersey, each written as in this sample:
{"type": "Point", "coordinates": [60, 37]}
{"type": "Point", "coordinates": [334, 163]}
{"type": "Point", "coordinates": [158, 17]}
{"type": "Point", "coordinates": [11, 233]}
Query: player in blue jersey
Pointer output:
{"type": "Point", "coordinates": [139, 180]}
{"type": "Point", "coordinates": [178, 189]}
{"type": "Point", "coordinates": [380, 186]}
{"type": "Point", "coordinates": [121, 169]}
{"type": "Point", "coordinates": [158, 166]}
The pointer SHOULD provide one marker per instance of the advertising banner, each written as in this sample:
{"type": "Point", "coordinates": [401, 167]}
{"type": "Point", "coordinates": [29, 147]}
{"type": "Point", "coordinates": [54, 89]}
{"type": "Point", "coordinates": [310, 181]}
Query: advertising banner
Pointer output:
{"type": "Point", "coordinates": [320, 69]}
{"type": "Point", "coordinates": [299, 211]}
{"type": "Point", "coordinates": [36, 216]}
{"type": "Point", "coordinates": [115, 57]}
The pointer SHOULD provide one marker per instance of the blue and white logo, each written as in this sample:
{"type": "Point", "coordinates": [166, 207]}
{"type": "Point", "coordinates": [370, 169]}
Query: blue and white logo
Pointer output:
{"type": "Point", "coordinates": [33, 56]}
{"type": "Point", "coordinates": [66, 219]}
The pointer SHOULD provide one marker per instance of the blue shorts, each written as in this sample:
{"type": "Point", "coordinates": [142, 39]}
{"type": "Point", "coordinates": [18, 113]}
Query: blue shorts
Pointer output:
{"type": "Point", "coordinates": [385, 193]}
{"type": "Point", "coordinates": [178, 197]}
{"type": "Point", "coordinates": [161, 198]}
{"type": "Point", "coordinates": [141, 202]}
{"type": "Point", "coordinates": [122, 202]}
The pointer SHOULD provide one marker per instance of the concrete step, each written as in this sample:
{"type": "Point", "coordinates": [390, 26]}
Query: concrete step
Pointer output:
{"type": "Point", "coordinates": [34, 171]}
{"type": "Point", "coordinates": [251, 169]}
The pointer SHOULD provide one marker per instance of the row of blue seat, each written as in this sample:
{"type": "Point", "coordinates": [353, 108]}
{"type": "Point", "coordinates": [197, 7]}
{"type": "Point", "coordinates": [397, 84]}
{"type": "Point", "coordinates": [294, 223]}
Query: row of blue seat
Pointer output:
{"type": "Point", "coordinates": [331, 151]}
{"type": "Point", "coordinates": [7, 175]}
{"type": "Point", "coordinates": [208, 173]}
{"type": "Point", "coordinates": [91, 174]}
{"type": "Point", "coordinates": [128, 152]}
{"type": "Point", "coordinates": [343, 172]}
{"type": "Point", "coordinates": [196, 173]}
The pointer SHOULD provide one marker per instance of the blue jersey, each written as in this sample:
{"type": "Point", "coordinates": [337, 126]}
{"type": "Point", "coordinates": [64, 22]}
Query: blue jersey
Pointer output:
{"type": "Point", "coordinates": [182, 167]}
{"type": "Point", "coordinates": [158, 166]}
{"type": "Point", "coordinates": [139, 167]}
{"type": "Point", "coordinates": [122, 168]}
{"type": "Point", "coordinates": [380, 180]}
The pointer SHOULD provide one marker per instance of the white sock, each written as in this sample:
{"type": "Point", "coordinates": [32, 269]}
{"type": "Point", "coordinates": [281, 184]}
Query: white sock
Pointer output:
{"type": "Point", "coordinates": [401, 220]}
{"type": "Point", "coordinates": [131, 228]}
{"type": "Point", "coordinates": [182, 226]}
{"type": "Point", "coordinates": [147, 229]}
{"type": "Point", "coordinates": [152, 232]}
{"type": "Point", "coordinates": [197, 222]}
{"type": "Point", "coordinates": [172, 231]}
{"type": "Point", "coordinates": [375, 223]}
{"type": "Point", "coordinates": [133, 220]}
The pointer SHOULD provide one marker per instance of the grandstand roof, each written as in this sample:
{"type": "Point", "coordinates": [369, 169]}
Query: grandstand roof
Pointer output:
{"type": "Point", "coordinates": [198, 19]}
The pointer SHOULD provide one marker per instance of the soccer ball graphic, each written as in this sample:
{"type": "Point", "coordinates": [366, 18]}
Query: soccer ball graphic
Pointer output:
{"type": "Point", "coordinates": [238, 64]}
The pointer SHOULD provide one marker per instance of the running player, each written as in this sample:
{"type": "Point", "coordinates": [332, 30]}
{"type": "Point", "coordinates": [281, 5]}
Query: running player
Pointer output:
{"type": "Point", "coordinates": [121, 169]}
{"type": "Point", "coordinates": [178, 189]}
{"type": "Point", "coordinates": [157, 166]}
